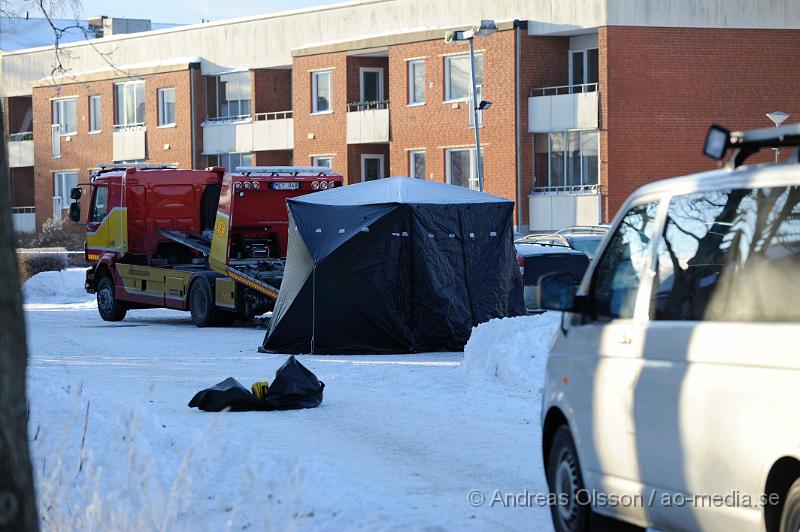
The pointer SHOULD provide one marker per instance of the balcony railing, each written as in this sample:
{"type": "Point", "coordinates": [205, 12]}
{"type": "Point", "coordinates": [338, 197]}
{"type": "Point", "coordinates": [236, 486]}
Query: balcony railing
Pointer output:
{"type": "Point", "coordinates": [567, 189]}
{"type": "Point", "coordinates": [562, 89]}
{"type": "Point", "coordinates": [21, 136]}
{"type": "Point", "coordinates": [367, 105]}
{"type": "Point", "coordinates": [129, 142]}
{"type": "Point", "coordinates": [24, 219]}
{"type": "Point", "coordinates": [248, 133]}
{"type": "Point", "coordinates": [20, 149]}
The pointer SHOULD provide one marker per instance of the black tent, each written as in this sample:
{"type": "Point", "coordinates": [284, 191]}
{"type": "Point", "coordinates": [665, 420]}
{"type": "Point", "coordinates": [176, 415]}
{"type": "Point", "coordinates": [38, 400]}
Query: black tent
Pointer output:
{"type": "Point", "coordinates": [395, 265]}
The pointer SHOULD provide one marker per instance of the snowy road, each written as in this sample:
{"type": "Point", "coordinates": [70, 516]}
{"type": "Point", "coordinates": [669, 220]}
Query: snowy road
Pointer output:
{"type": "Point", "coordinates": [398, 443]}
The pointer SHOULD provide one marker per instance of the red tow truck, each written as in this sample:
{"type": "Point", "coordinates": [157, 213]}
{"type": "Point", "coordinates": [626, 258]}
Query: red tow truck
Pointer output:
{"type": "Point", "coordinates": [207, 241]}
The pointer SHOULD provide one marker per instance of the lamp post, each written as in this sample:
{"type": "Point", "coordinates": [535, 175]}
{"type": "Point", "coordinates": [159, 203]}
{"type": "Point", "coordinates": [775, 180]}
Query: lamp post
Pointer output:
{"type": "Point", "coordinates": [778, 118]}
{"type": "Point", "coordinates": [484, 29]}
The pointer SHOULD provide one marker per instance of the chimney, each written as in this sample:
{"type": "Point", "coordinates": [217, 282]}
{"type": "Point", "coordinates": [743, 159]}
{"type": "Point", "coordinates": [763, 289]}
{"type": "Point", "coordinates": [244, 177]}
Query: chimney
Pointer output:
{"type": "Point", "coordinates": [104, 26]}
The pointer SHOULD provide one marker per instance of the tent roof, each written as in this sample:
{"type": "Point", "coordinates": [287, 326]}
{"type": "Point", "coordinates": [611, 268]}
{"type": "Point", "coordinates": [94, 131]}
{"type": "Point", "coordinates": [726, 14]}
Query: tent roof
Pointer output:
{"type": "Point", "coordinates": [398, 190]}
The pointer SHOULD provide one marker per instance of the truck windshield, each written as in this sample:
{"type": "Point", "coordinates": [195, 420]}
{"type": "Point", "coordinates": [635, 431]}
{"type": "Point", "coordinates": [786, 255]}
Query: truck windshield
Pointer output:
{"type": "Point", "coordinates": [99, 204]}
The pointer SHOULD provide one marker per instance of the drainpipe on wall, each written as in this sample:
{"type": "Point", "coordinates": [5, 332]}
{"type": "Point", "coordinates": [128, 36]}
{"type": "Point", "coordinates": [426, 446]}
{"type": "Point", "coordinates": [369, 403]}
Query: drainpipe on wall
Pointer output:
{"type": "Point", "coordinates": [193, 103]}
{"type": "Point", "coordinates": [518, 25]}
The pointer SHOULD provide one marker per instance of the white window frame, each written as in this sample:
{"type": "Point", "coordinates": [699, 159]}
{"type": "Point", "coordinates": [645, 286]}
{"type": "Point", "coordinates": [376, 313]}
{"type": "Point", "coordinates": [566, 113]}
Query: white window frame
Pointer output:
{"type": "Point", "coordinates": [585, 52]}
{"type": "Point", "coordinates": [61, 178]}
{"type": "Point", "coordinates": [162, 107]}
{"type": "Point", "coordinates": [447, 59]}
{"type": "Point", "coordinates": [226, 163]}
{"type": "Point", "coordinates": [317, 161]}
{"type": "Point", "coordinates": [412, 166]}
{"type": "Point", "coordinates": [565, 157]}
{"type": "Point", "coordinates": [364, 70]}
{"type": "Point", "coordinates": [60, 103]}
{"type": "Point", "coordinates": [314, 86]}
{"type": "Point", "coordinates": [123, 121]}
{"type": "Point", "coordinates": [373, 156]}
{"type": "Point", "coordinates": [95, 114]}
{"type": "Point", "coordinates": [411, 79]}
{"type": "Point", "coordinates": [473, 177]}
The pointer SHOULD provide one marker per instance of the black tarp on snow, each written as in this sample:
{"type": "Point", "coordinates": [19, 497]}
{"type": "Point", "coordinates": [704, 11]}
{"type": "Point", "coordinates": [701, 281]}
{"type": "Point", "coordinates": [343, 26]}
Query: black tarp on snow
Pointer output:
{"type": "Point", "coordinates": [394, 265]}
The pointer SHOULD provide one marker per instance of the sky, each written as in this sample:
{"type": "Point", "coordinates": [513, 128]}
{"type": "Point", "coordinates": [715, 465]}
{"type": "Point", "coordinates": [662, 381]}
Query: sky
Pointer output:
{"type": "Point", "coordinates": [177, 11]}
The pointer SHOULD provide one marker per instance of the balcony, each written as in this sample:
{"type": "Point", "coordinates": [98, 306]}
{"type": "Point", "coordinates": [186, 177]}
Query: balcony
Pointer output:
{"type": "Point", "coordinates": [562, 108]}
{"type": "Point", "coordinates": [129, 142]}
{"type": "Point", "coordinates": [240, 134]}
{"type": "Point", "coordinates": [551, 208]}
{"type": "Point", "coordinates": [20, 149]}
{"type": "Point", "coordinates": [368, 122]}
{"type": "Point", "coordinates": [24, 219]}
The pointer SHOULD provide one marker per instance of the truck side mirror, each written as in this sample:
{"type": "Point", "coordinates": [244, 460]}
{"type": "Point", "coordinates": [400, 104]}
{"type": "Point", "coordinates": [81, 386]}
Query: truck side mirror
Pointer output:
{"type": "Point", "coordinates": [75, 211]}
{"type": "Point", "coordinates": [556, 291]}
{"type": "Point", "coordinates": [76, 193]}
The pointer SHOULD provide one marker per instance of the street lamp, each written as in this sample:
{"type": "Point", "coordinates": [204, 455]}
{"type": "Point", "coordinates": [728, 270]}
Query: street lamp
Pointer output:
{"type": "Point", "coordinates": [484, 29]}
{"type": "Point", "coordinates": [778, 118]}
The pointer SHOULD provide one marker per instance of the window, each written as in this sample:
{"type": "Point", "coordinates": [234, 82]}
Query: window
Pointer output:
{"type": "Point", "coordinates": [460, 168]}
{"type": "Point", "coordinates": [458, 78]}
{"type": "Point", "coordinates": [371, 167]}
{"type": "Point", "coordinates": [326, 162]}
{"type": "Point", "coordinates": [583, 68]}
{"type": "Point", "coordinates": [99, 205]}
{"type": "Point", "coordinates": [231, 161]}
{"type": "Point", "coordinates": [130, 109]}
{"type": "Point", "coordinates": [63, 183]}
{"type": "Point", "coordinates": [229, 95]}
{"type": "Point", "coordinates": [730, 255]}
{"type": "Point", "coordinates": [416, 164]}
{"type": "Point", "coordinates": [620, 269]}
{"type": "Point", "coordinates": [65, 116]}
{"type": "Point", "coordinates": [416, 82]}
{"type": "Point", "coordinates": [371, 86]}
{"type": "Point", "coordinates": [95, 114]}
{"type": "Point", "coordinates": [166, 107]}
{"type": "Point", "coordinates": [321, 92]}
{"type": "Point", "coordinates": [567, 158]}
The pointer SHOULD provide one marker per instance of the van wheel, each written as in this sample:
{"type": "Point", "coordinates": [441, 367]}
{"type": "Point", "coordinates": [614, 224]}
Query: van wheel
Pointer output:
{"type": "Point", "coordinates": [109, 307]}
{"type": "Point", "coordinates": [201, 303]}
{"type": "Point", "coordinates": [790, 517]}
{"type": "Point", "coordinates": [565, 482]}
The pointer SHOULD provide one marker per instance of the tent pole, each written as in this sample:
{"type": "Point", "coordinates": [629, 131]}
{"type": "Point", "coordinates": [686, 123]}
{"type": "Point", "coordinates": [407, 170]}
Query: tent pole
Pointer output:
{"type": "Point", "coordinates": [313, 305]}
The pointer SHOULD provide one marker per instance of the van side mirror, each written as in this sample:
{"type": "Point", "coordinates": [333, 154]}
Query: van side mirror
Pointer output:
{"type": "Point", "coordinates": [556, 291]}
{"type": "Point", "coordinates": [76, 193]}
{"type": "Point", "coordinates": [75, 211]}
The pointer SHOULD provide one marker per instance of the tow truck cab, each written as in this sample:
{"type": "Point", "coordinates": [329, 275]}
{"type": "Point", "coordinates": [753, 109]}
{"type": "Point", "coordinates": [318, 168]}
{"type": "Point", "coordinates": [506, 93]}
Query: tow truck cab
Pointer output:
{"type": "Point", "coordinates": [157, 232]}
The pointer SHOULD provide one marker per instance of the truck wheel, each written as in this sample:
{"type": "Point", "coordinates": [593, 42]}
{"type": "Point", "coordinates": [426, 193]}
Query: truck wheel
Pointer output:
{"type": "Point", "coordinates": [201, 304]}
{"type": "Point", "coordinates": [109, 307]}
{"type": "Point", "coordinates": [566, 484]}
{"type": "Point", "coordinates": [790, 518]}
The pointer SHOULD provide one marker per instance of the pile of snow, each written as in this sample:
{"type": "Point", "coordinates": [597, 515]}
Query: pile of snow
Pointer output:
{"type": "Point", "coordinates": [65, 286]}
{"type": "Point", "coordinates": [512, 351]}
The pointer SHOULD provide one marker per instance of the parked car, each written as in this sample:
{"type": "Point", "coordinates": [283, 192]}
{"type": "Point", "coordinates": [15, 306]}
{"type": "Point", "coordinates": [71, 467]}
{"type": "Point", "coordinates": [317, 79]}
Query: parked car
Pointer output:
{"type": "Point", "coordinates": [569, 249]}
{"type": "Point", "coordinates": [670, 397]}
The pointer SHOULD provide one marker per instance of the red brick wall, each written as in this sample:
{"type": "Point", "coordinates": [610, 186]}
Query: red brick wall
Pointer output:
{"type": "Point", "coordinates": [544, 62]}
{"type": "Point", "coordinates": [436, 126]}
{"type": "Point", "coordinates": [272, 90]}
{"type": "Point", "coordinates": [321, 134]}
{"type": "Point", "coordinates": [85, 151]}
{"type": "Point", "coordinates": [662, 87]}
{"type": "Point", "coordinates": [273, 158]}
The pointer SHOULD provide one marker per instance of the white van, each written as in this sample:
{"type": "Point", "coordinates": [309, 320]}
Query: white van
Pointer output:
{"type": "Point", "coordinates": [672, 393]}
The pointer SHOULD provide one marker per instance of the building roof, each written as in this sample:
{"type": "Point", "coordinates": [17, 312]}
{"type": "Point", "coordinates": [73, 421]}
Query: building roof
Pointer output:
{"type": "Point", "coordinates": [23, 33]}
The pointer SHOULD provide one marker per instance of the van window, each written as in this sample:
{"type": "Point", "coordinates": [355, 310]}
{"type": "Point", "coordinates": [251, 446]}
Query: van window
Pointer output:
{"type": "Point", "coordinates": [619, 271]}
{"type": "Point", "coordinates": [730, 255]}
{"type": "Point", "coordinates": [100, 205]}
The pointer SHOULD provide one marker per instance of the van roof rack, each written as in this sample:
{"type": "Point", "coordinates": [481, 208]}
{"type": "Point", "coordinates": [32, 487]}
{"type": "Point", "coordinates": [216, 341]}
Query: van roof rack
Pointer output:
{"type": "Point", "coordinates": [746, 143]}
{"type": "Point", "coordinates": [284, 170]}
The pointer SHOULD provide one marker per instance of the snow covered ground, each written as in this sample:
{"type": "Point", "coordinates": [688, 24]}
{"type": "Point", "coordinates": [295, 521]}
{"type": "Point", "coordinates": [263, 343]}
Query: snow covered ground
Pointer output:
{"type": "Point", "coordinates": [399, 442]}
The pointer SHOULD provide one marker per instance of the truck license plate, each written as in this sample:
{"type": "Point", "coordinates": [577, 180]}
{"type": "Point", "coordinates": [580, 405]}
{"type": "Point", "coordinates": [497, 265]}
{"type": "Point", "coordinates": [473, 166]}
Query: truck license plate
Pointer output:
{"type": "Point", "coordinates": [285, 186]}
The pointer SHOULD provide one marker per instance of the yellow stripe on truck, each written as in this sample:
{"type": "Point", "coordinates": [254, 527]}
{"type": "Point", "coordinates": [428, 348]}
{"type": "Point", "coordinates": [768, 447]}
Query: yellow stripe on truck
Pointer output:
{"type": "Point", "coordinates": [112, 235]}
{"type": "Point", "coordinates": [218, 259]}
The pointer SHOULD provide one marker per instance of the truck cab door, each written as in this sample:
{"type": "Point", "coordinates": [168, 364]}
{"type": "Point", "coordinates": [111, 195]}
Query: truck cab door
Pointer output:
{"type": "Point", "coordinates": [97, 230]}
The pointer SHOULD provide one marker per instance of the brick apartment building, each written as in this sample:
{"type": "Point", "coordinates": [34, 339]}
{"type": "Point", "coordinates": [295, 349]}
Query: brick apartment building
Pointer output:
{"type": "Point", "coordinates": [589, 101]}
